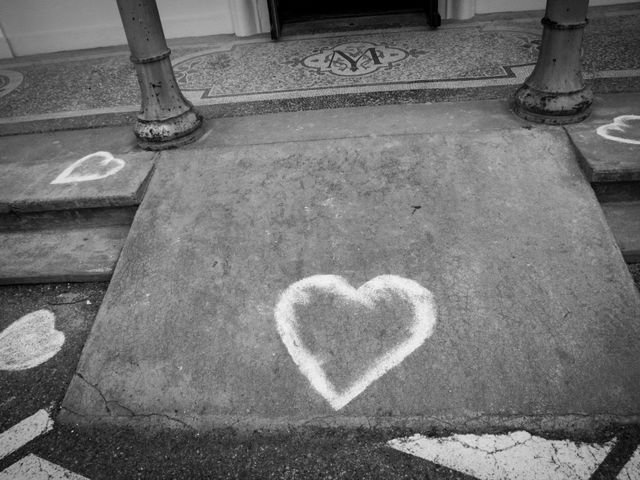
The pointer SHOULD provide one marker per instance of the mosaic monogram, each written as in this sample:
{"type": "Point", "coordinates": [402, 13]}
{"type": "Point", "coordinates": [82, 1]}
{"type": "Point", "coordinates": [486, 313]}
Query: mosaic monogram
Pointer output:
{"type": "Point", "coordinates": [263, 70]}
{"type": "Point", "coordinates": [357, 58]}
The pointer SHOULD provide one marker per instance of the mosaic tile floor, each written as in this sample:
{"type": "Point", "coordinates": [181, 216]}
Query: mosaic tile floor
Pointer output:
{"type": "Point", "coordinates": [461, 60]}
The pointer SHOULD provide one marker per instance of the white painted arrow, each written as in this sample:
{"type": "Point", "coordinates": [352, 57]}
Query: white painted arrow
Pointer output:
{"type": "Point", "coordinates": [33, 467]}
{"type": "Point", "coordinates": [517, 456]}
{"type": "Point", "coordinates": [631, 470]}
{"type": "Point", "coordinates": [25, 431]}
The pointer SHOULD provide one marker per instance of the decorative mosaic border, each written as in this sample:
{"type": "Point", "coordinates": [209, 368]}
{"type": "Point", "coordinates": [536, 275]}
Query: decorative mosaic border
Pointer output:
{"type": "Point", "coordinates": [510, 75]}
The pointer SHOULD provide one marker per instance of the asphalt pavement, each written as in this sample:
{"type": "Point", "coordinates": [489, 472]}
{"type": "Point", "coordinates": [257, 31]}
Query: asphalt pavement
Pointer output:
{"type": "Point", "coordinates": [183, 453]}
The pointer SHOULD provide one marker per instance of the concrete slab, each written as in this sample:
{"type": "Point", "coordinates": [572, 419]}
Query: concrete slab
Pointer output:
{"type": "Point", "coordinates": [384, 120]}
{"type": "Point", "coordinates": [608, 142]}
{"type": "Point", "coordinates": [206, 323]}
{"type": "Point", "coordinates": [98, 179]}
{"type": "Point", "coordinates": [624, 220]}
{"type": "Point", "coordinates": [80, 254]}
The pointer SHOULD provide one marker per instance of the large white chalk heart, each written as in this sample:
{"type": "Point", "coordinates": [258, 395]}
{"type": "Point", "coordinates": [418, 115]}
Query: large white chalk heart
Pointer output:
{"type": "Point", "coordinates": [376, 296]}
{"type": "Point", "coordinates": [30, 341]}
{"type": "Point", "coordinates": [95, 166]}
{"type": "Point", "coordinates": [624, 129]}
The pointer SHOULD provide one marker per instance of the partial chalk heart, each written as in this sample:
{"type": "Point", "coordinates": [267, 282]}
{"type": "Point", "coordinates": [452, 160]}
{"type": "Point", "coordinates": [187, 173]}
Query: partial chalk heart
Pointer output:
{"type": "Point", "coordinates": [30, 341]}
{"type": "Point", "coordinates": [343, 339]}
{"type": "Point", "coordinates": [624, 129]}
{"type": "Point", "coordinates": [96, 166]}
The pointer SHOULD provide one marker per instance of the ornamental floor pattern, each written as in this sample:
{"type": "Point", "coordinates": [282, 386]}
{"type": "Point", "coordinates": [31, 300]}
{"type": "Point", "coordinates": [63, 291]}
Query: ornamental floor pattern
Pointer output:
{"type": "Point", "coordinates": [461, 60]}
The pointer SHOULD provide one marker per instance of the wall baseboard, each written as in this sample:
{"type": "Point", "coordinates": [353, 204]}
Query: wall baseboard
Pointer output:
{"type": "Point", "coordinates": [75, 38]}
{"type": "Point", "coordinates": [5, 50]}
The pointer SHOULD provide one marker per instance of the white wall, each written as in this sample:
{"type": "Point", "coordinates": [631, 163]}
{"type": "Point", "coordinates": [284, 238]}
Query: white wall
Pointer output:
{"type": "Point", "coordinates": [493, 6]}
{"type": "Point", "coordinates": [249, 17]}
{"type": "Point", "coordinates": [36, 26]}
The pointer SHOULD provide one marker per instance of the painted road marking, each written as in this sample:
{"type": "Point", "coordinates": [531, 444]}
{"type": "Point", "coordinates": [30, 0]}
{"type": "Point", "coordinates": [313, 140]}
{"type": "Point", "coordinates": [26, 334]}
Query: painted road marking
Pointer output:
{"type": "Point", "coordinates": [622, 129]}
{"type": "Point", "coordinates": [518, 455]}
{"type": "Point", "coordinates": [631, 470]}
{"type": "Point", "coordinates": [33, 467]}
{"type": "Point", "coordinates": [95, 166]}
{"type": "Point", "coordinates": [30, 341]}
{"type": "Point", "coordinates": [300, 293]}
{"type": "Point", "coordinates": [25, 431]}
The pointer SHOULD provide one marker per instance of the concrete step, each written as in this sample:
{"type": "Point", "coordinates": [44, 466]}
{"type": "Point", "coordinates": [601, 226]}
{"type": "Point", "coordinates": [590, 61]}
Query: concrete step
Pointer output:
{"type": "Point", "coordinates": [617, 191]}
{"type": "Point", "coordinates": [624, 220]}
{"type": "Point", "coordinates": [96, 180]}
{"type": "Point", "coordinates": [458, 280]}
{"type": "Point", "coordinates": [77, 254]}
{"type": "Point", "coordinates": [65, 208]}
{"type": "Point", "coordinates": [607, 148]}
{"type": "Point", "coordinates": [608, 142]}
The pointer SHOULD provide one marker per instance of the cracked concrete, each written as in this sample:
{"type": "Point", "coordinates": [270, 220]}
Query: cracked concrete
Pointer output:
{"type": "Point", "coordinates": [517, 456]}
{"type": "Point", "coordinates": [509, 238]}
{"type": "Point", "coordinates": [128, 413]}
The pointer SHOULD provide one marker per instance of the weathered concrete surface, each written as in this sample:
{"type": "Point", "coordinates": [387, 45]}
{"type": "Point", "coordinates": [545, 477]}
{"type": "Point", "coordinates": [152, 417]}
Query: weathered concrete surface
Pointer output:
{"type": "Point", "coordinates": [120, 181]}
{"type": "Point", "coordinates": [375, 121]}
{"type": "Point", "coordinates": [536, 312]}
{"type": "Point", "coordinates": [624, 220]}
{"type": "Point", "coordinates": [57, 226]}
{"type": "Point", "coordinates": [614, 157]}
{"type": "Point", "coordinates": [29, 163]}
{"type": "Point", "coordinates": [79, 254]}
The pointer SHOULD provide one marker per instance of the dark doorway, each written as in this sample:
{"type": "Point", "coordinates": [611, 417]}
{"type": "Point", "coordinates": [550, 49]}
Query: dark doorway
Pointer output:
{"type": "Point", "coordinates": [298, 11]}
{"type": "Point", "coordinates": [295, 11]}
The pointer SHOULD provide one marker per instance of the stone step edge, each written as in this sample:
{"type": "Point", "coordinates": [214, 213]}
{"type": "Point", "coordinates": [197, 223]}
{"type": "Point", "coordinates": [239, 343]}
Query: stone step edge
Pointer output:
{"type": "Point", "coordinates": [624, 220]}
{"type": "Point", "coordinates": [84, 254]}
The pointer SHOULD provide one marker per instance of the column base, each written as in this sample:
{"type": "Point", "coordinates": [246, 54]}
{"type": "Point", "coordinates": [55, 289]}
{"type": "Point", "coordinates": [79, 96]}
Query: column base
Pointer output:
{"type": "Point", "coordinates": [171, 133]}
{"type": "Point", "coordinates": [552, 108]}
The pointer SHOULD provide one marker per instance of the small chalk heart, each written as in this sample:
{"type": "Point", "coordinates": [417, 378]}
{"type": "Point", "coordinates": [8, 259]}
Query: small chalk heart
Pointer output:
{"type": "Point", "coordinates": [96, 166]}
{"type": "Point", "coordinates": [623, 129]}
{"type": "Point", "coordinates": [30, 341]}
{"type": "Point", "coordinates": [404, 316]}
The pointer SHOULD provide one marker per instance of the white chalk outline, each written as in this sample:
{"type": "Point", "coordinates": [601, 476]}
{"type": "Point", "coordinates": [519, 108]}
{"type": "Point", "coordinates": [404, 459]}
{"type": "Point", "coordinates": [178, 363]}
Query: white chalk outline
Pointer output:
{"type": "Point", "coordinates": [382, 286]}
{"type": "Point", "coordinates": [35, 330]}
{"type": "Point", "coordinates": [517, 455]}
{"type": "Point", "coordinates": [619, 124]}
{"type": "Point", "coordinates": [24, 431]}
{"type": "Point", "coordinates": [67, 175]}
{"type": "Point", "coordinates": [33, 467]}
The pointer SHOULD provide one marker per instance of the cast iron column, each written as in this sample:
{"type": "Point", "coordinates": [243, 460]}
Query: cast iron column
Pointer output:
{"type": "Point", "coordinates": [166, 118]}
{"type": "Point", "coordinates": [555, 92]}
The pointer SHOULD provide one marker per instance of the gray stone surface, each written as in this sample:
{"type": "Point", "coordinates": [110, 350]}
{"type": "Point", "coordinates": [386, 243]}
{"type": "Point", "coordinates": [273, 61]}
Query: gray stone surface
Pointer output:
{"type": "Point", "coordinates": [537, 313]}
{"type": "Point", "coordinates": [338, 123]}
{"type": "Point", "coordinates": [604, 159]}
{"type": "Point", "coordinates": [60, 255]}
{"type": "Point", "coordinates": [624, 220]}
{"type": "Point", "coordinates": [30, 163]}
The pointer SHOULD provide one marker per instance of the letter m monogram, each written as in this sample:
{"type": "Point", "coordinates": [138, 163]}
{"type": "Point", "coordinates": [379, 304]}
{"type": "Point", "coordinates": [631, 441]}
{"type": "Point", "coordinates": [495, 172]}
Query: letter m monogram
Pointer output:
{"type": "Point", "coordinates": [353, 63]}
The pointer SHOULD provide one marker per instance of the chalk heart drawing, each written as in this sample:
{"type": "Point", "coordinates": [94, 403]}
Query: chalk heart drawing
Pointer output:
{"type": "Point", "coordinates": [368, 295]}
{"type": "Point", "coordinates": [30, 341]}
{"type": "Point", "coordinates": [95, 166]}
{"type": "Point", "coordinates": [624, 129]}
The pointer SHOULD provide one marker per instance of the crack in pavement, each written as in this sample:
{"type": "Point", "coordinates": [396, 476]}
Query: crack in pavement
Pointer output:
{"type": "Point", "coordinates": [131, 413]}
